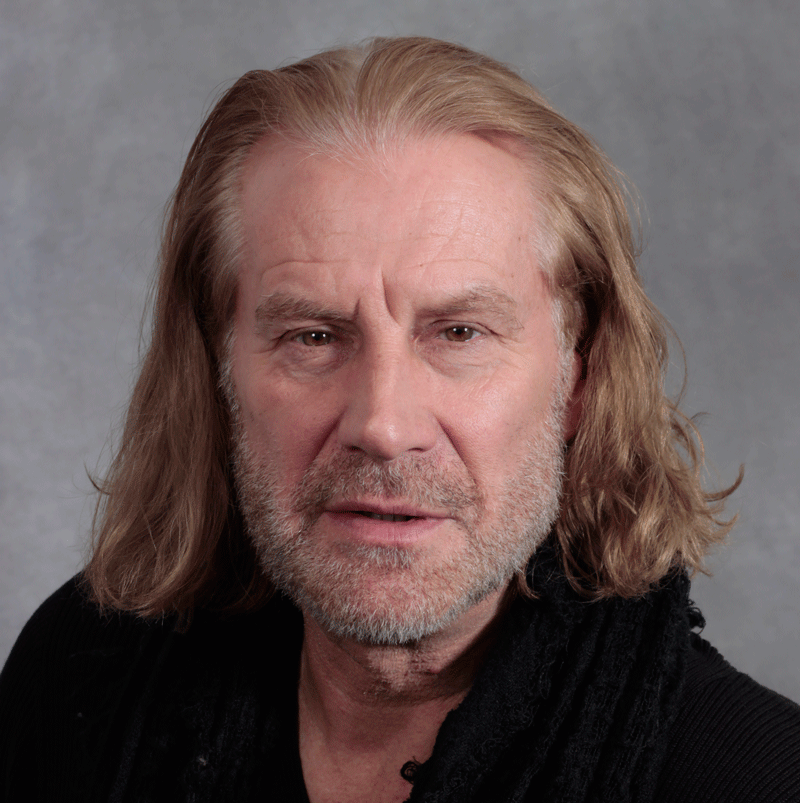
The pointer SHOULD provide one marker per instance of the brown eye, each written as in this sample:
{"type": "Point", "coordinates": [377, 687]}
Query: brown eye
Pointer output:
{"type": "Point", "coordinates": [316, 338]}
{"type": "Point", "coordinates": [460, 334]}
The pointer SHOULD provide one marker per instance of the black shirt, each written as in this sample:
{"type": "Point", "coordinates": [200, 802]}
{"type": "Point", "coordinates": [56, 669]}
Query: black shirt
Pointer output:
{"type": "Point", "coordinates": [78, 687]}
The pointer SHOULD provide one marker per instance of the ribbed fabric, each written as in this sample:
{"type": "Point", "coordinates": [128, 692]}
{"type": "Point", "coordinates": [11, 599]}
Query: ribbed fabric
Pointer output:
{"type": "Point", "coordinates": [730, 729]}
{"type": "Point", "coordinates": [78, 692]}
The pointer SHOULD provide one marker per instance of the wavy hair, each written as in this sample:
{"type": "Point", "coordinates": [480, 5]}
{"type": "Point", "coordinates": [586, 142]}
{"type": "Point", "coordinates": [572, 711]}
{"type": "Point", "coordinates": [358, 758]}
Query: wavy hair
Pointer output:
{"type": "Point", "coordinates": [167, 533]}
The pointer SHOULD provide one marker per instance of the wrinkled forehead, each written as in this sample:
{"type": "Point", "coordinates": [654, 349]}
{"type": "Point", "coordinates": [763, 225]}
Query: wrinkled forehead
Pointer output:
{"type": "Point", "coordinates": [495, 182]}
{"type": "Point", "coordinates": [462, 208]}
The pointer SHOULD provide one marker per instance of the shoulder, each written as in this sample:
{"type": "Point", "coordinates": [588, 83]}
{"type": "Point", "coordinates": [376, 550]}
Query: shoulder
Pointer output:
{"type": "Point", "coordinates": [58, 690]}
{"type": "Point", "coordinates": [67, 628]}
{"type": "Point", "coordinates": [733, 739]}
{"type": "Point", "coordinates": [83, 690]}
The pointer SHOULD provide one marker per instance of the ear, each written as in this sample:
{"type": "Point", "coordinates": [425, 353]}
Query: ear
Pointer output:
{"type": "Point", "coordinates": [575, 388]}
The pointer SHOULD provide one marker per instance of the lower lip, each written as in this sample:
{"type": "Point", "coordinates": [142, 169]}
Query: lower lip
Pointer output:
{"type": "Point", "coordinates": [380, 532]}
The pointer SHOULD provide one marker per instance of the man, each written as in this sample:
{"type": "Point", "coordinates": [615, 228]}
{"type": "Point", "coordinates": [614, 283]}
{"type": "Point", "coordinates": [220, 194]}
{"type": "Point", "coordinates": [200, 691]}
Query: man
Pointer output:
{"type": "Point", "coordinates": [403, 372]}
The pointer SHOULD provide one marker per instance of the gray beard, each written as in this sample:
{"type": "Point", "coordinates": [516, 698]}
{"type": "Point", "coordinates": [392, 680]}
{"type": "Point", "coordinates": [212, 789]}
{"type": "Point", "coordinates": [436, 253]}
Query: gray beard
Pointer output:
{"type": "Point", "coordinates": [397, 595]}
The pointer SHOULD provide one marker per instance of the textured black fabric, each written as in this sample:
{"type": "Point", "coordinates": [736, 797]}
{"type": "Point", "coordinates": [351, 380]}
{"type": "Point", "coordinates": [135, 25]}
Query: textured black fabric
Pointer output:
{"type": "Point", "coordinates": [119, 709]}
{"type": "Point", "coordinates": [574, 704]}
{"type": "Point", "coordinates": [733, 740]}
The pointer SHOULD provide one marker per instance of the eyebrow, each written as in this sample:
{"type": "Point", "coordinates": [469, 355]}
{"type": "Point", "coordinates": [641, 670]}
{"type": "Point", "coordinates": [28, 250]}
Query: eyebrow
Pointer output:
{"type": "Point", "coordinates": [485, 299]}
{"type": "Point", "coordinates": [279, 307]}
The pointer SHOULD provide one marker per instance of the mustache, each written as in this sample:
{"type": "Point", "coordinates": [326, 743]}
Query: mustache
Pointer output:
{"type": "Point", "coordinates": [411, 479]}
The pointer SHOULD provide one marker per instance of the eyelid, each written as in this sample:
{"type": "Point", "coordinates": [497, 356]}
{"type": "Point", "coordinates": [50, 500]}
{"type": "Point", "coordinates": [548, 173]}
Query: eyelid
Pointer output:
{"type": "Point", "coordinates": [338, 334]}
{"type": "Point", "coordinates": [473, 332]}
{"type": "Point", "coordinates": [298, 332]}
{"type": "Point", "coordinates": [300, 337]}
{"type": "Point", "coordinates": [441, 327]}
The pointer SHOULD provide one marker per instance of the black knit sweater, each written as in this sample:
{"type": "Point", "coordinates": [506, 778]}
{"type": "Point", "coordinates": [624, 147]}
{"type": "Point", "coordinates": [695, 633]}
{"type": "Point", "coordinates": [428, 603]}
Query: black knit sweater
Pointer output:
{"type": "Point", "coordinates": [78, 691]}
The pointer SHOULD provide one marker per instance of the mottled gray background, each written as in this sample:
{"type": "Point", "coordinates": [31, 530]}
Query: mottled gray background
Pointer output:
{"type": "Point", "coordinates": [696, 101]}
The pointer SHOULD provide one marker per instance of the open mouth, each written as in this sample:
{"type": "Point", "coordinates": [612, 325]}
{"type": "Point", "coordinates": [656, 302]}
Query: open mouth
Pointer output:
{"type": "Point", "coordinates": [384, 516]}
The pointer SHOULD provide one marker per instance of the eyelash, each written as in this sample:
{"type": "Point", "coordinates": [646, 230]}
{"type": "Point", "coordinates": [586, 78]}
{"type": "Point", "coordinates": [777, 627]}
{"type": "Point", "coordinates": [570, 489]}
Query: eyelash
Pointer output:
{"type": "Point", "coordinates": [310, 333]}
{"type": "Point", "coordinates": [473, 333]}
{"type": "Point", "coordinates": [326, 338]}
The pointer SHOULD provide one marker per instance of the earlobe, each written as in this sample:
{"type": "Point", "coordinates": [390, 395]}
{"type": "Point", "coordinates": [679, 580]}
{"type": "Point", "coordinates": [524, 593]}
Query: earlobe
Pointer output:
{"type": "Point", "coordinates": [574, 407]}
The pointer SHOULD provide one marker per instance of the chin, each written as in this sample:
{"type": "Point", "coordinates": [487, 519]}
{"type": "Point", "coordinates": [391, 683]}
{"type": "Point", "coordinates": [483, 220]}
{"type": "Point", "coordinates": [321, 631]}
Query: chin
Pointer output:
{"type": "Point", "coordinates": [388, 596]}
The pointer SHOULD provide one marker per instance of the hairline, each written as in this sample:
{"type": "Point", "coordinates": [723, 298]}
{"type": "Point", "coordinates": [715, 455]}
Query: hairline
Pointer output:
{"type": "Point", "coordinates": [377, 154]}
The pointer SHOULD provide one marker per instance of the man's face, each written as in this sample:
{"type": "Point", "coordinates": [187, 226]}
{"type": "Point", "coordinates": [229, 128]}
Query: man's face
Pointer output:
{"type": "Point", "coordinates": [397, 385]}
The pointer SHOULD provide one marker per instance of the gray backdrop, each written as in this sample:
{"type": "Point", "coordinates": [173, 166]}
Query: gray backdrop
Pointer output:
{"type": "Point", "coordinates": [696, 101]}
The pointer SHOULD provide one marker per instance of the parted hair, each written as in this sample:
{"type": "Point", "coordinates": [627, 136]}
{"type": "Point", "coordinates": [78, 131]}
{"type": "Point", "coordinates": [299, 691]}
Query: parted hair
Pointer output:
{"type": "Point", "coordinates": [168, 535]}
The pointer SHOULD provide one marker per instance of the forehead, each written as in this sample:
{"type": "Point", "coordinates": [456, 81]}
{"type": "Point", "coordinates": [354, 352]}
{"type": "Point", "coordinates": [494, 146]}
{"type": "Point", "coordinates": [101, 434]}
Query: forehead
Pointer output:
{"type": "Point", "coordinates": [456, 200]}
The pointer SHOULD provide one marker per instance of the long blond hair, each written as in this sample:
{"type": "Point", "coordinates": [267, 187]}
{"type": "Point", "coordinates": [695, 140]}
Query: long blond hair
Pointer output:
{"type": "Point", "coordinates": [167, 533]}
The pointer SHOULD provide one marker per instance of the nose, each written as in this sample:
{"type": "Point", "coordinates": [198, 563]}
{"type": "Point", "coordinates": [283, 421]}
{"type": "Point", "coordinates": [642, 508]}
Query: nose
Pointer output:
{"type": "Point", "coordinates": [388, 406]}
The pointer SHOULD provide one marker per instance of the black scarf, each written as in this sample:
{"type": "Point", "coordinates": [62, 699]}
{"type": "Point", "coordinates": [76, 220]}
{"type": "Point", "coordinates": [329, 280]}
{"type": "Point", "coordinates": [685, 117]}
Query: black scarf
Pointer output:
{"type": "Point", "coordinates": [574, 704]}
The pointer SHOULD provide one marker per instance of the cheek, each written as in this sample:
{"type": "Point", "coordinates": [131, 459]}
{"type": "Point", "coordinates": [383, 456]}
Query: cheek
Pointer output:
{"type": "Point", "coordinates": [288, 427]}
{"type": "Point", "coordinates": [490, 427]}
{"type": "Point", "coordinates": [503, 406]}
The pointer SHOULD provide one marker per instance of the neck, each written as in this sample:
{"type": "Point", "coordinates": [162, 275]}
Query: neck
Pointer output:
{"type": "Point", "coordinates": [377, 707]}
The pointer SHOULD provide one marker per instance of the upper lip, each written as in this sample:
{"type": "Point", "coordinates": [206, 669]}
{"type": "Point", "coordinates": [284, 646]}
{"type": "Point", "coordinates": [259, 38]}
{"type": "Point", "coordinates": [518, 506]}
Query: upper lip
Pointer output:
{"type": "Point", "coordinates": [383, 508]}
